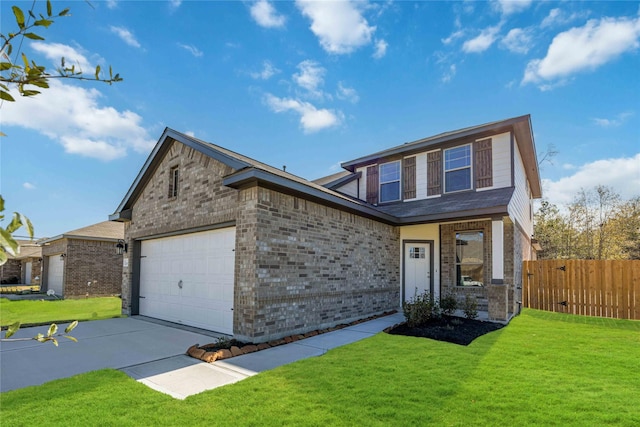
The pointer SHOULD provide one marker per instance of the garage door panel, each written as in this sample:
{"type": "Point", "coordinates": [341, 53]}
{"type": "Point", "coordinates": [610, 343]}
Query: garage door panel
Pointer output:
{"type": "Point", "coordinates": [205, 264]}
{"type": "Point", "coordinates": [55, 276]}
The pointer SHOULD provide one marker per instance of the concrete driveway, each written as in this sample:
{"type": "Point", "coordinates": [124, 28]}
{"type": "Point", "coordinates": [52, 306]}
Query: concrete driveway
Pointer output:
{"type": "Point", "coordinates": [112, 343]}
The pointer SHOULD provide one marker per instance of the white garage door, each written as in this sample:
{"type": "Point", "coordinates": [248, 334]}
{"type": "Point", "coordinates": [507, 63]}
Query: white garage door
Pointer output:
{"type": "Point", "coordinates": [56, 274]}
{"type": "Point", "coordinates": [189, 279]}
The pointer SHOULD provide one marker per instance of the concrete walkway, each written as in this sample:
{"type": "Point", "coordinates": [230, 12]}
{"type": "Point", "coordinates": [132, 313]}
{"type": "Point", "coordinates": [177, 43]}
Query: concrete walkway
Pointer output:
{"type": "Point", "coordinates": [181, 376]}
{"type": "Point", "coordinates": [153, 354]}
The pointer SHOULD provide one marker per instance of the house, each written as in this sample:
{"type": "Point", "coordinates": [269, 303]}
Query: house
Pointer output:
{"type": "Point", "coordinates": [83, 262]}
{"type": "Point", "coordinates": [24, 268]}
{"type": "Point", "coordinates": [220, 241]}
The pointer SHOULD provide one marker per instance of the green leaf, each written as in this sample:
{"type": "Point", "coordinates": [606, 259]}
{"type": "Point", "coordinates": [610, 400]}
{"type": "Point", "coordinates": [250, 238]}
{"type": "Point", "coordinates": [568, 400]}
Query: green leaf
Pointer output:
{"type": "Point", "coordinates": [3, 255]}
{"type": "Point", "coordinates": [52, 329]}
{"type": "Point", "coordinates": [40, 83]}
{"type": "Point", "coordinates": [30, 92]}
{"type": "Point", "coordinates": [33, 36]}
{"type": "Point", "coordinates": [14, 224]}
{"type": "Point", "coordinates": [97, 72]}
{"type": "Point", "coordinates": [54, 341]}
{"type": "Point", "coordinates": [40, 338]}
{"type": "Point", "coordinates": [19, 16]}
{"type": "Point", "coordinates": [5, 66]}
{"type": "Point", "coordinates": [7, 242]}
{"type": "Point", "coordinates": [25, 60]}
{"type": "Point", "coordinates": [26, 222]}
{"type": "Point", "coordinates": [71, 338]}
{"type": "Point", "coordinates": [12, 329]}
{"type": "Point", "coordinates": [5, 96]}
{"type": "Point", "coordinates": [65, 12]}
{"type": "Point", "coordinates": [49, 8]}
{"type": "Point", "coordinates": [1, 204]}
{"type": "Point", "coordinates": [71, 327]}
{"type": "Point", "coordinates": [43, 23]}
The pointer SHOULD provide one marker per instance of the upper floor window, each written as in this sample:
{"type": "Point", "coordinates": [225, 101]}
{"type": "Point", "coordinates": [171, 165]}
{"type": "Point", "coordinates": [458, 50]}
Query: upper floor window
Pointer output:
{"type": "Point", "coordinates": [457, 169]}
{"type": "Point", "coordinates": [174, 175]}
{"type": "Point", "coordinates": [390, 182]}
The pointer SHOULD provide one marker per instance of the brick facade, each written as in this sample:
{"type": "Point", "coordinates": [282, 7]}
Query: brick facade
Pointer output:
{"type": "Point", "coordinates": [304, 266]}
{"type": "Point", "coordinates": [299, 266]}
{"type": "Point", "coordinates": [36, 270]}
{"type": "Point", "coordinates": [10, 271]}
{"type": "Point", "coordinates": [86, 261]}
{"type": "Point", "coordinates": [448, 261]}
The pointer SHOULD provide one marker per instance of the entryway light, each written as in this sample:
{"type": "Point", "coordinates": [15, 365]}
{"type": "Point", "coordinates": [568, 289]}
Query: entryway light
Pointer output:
{"type": "Point", "coordinates": [121, 247]}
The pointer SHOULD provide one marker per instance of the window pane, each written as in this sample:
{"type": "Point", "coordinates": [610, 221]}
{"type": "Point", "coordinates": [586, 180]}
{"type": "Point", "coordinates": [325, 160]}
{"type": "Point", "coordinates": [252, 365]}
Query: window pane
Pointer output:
{"type": "Point", "coordinates": [457, 180]}
{"type": "Point", "coordinates": [469, 258]}
{"type": "Point", "coordinates": [390, 172]}
{"type": "Point", "coordinates": [390, 191]}
{"type": "Point", "coordinates": [458, 157]}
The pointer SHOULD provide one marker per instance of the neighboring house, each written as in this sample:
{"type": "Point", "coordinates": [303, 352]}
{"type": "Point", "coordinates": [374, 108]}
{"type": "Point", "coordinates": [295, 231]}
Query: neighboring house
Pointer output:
{"type": "Point", "coordinates": [24, 268]}
{"type": "Point", "coordinates": [223, 242]}
{"type": "Point", "coordinates": [83, 262]}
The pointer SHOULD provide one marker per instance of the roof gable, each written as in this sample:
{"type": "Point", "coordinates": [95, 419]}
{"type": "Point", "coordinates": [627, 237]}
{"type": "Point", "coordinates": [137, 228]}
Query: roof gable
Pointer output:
{"type": "Point", "coordinates": [106, 230]}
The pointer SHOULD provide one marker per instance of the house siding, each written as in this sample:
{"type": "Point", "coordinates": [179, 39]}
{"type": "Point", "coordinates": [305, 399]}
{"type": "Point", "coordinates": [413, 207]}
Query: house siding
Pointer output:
{"type": "Point", "coordinates": [520, 204]}
{"type": "Point", "coordinates": [306, 266]}
{"type": "Point", "coordinates": [350, 188]}
{"type": "Point", "coordinates": [501, 161]}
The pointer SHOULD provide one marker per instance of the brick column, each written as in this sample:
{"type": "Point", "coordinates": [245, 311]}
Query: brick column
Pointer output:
{"type": "Point", "coordinates": [498, 298]}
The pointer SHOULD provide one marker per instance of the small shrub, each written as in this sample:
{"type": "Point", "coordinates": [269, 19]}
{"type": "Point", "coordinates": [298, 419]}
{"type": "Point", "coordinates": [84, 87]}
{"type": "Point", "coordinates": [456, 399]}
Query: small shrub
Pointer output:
{"type": "Point", "coordinates": [420, 310]}
{"type": "Point", "coordinates": [448, 304]}
{"type": "Point", "coordinates": [470, 307]}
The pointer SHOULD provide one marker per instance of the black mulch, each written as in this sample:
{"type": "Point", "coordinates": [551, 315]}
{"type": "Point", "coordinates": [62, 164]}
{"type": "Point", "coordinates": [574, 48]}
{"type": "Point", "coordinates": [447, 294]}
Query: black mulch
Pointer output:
{"type": "Point", "coordinates": [457, 330]}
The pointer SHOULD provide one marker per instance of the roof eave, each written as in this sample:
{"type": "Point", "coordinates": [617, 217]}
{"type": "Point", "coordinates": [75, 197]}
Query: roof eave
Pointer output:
{"type": "Point", "coordinates": [155, 157]}
{"type": "Point", "coordinates": [455, 216]}
{"type": "Point", "coordinates": [252, 176]}
{"type": "Point", "coordinates": [435, 140]}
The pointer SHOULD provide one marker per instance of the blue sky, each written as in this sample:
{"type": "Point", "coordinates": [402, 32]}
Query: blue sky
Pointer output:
{"type": "Point", "coordinates": [311, 84]}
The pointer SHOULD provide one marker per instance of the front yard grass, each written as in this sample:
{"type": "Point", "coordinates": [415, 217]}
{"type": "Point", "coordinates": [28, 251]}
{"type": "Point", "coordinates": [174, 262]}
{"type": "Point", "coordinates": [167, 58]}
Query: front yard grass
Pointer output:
{"type": "Point", "coordinates": [543, 369]}
{"type": "Point", "coordinates": [39, 311]}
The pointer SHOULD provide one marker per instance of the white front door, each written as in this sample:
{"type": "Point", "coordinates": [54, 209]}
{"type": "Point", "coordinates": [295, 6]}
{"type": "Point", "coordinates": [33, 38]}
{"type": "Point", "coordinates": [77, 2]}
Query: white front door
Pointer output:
{"type": "Point", "coordinates": [56, 274]}
{"type": "Point", "coordinates": [27, 273]}
{"type": "Point", "coordinates": [189, 279]}
{"type": "Point", "coordinates": [417, 269]}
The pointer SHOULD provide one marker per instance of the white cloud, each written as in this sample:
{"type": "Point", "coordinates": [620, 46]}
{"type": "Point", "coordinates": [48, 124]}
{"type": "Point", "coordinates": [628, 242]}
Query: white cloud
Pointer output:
{"type": "Point", "coordinates": [569, 166]}
{"type": "Point", "coordinates": [72, 116]}
{"type": "Point", "coordinates": [126, 36]}
{"type": "Point", "coordinates": [483, 41]}
{"type": "Point", "coordinates": [266, 15]}
{"type": "Point", "coordinates": [449, 74]}
{"type": "Point", "coordinates": [112, 4]}
{"type": "Point", "coordinates": [453, 37]}
{"type": "Point", "coordinates": [347, 93]}
{"type": "Point", "coordinates": [616, 121]}
{"type": "Point", "coordinates": [339, 25]}
{"type": "Point", "coordinates": [175, 3]}
{"type": "Point", "coordinates": [559, 17]}
{"type": "Point", "coordinates": [190, 133]}
{"type": "Point", "coordinates": [584, 48]}
{"type": "Point", "coordinates": [508, 7]}
{"type": "Point", "coordinates": [381, 49]}
{"type": "Point", "coordinates": [311, 118]}
{"type": "Point", "coordinates": [191, 49]}
{"type": "Point", "coordinates": [55, 51]}
{"type": "Point", "coordinates": [518, 40]}
{"type": "Point", "coordinates": [310, 77]}
{"type": "Point", "coordinates": [268, 71]}
{"type": "Point", "coordinates": [622, 174]}
{"type": "Point", "coordinates": [28, 186]}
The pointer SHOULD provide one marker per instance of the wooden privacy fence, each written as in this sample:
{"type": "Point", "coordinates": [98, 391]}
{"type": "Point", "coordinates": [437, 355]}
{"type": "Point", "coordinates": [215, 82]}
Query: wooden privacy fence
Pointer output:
{"type": "Point", "coordinates": [603, 288]}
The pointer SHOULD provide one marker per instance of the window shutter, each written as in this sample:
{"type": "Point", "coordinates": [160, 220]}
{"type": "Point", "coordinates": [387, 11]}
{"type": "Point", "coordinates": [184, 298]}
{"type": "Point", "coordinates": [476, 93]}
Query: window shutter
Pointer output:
{"type": "Point", "coordinates": [372, 184]}
{"type": "Point", "coordinates": [483, 163]}
{"type": "Point", "coordinates": [434, 173]}
{"type": "Point", "coordinates": [409, 178]}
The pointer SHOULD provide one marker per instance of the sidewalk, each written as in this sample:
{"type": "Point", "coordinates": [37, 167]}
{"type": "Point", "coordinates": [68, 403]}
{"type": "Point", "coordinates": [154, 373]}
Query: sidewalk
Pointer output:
{"type": "Point", "coordinates": [182, 376]}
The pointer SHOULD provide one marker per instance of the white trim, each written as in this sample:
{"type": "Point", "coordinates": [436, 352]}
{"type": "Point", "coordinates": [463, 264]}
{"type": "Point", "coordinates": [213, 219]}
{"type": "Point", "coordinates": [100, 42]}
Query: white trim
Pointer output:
{"type": "Point", "coordinates": [497, 249]}
{"type": "Point", "coordinates": [444, 169]}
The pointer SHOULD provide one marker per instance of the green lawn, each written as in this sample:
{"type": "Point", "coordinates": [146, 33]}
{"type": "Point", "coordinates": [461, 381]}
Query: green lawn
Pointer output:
{"type": "Point", "coordinates": [543, 369]}
{"type": "Point", "coordinates": [38, 311]}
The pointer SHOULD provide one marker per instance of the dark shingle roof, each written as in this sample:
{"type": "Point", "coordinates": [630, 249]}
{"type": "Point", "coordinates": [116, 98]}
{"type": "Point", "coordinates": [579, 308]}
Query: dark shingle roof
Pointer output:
{"type": "Point", "coordinates": [451, 206]}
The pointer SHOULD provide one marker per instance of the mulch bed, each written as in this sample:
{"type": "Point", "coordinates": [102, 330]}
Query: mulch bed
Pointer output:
{"type": "Point", "coordinates": [457, 330]}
